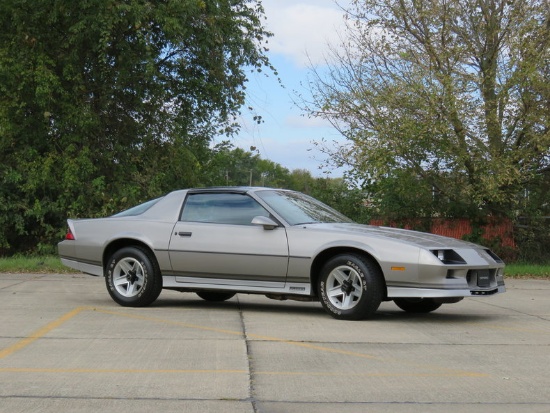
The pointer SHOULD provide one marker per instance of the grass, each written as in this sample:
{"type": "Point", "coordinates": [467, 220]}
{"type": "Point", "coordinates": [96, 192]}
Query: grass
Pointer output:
{"type": "Point", "coordinates": [525, 270]}
{"type": "Point", "coordinates": [52, 264]}
{"type": "Point", "coordinates": [33, 264]}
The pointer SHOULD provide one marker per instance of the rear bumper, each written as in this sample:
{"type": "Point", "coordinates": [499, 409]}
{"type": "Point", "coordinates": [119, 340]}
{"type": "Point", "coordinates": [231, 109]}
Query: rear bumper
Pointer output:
{"type": "Point", "coordinates": [91, 269]}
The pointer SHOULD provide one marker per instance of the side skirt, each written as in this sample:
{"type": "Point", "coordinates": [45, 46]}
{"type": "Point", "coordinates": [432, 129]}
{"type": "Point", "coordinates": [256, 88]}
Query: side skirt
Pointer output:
{"type": "Point", "coordinates": [173, 282]}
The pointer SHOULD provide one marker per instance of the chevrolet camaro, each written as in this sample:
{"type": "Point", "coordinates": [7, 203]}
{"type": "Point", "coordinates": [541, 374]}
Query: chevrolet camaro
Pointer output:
{"type": "Point", "coordinates": [217, 242]}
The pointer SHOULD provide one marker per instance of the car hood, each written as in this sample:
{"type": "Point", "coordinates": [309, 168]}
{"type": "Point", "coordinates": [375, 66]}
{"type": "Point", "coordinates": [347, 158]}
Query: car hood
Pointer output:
{"type": "Point", "coordinates": [420, 239]}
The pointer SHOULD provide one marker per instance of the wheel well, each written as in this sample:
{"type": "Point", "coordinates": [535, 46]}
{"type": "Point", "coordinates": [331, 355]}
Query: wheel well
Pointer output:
{"type": "Point", "coordinates": [114, 246]}
{"type": "Point", "coordinates": [326, 255]}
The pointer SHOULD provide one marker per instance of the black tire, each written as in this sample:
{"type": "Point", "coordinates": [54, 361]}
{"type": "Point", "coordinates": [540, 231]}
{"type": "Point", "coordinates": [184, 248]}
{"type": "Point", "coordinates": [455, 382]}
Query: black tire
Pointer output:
{"type": "Point", "coordinates": [417, 305]}
{"type": "Point", "coordinates": [133, 277]}
{"type": "Point", "coordinates": [350, 287]}
{"type": "Point", "coordinates": [215, 296]}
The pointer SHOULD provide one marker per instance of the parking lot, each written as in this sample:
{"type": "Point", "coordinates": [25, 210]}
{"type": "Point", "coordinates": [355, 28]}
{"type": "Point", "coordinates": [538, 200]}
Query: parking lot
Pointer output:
{"type": "Point", "coordinates": [65, 346]}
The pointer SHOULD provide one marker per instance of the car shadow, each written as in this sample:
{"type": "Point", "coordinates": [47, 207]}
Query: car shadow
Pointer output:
{"type": "Point", "coordinates": [386, 315]}
{"type": "Point", "coordinates": [389, 316]}
{"type": "Point", "coordinates": [189, 301]}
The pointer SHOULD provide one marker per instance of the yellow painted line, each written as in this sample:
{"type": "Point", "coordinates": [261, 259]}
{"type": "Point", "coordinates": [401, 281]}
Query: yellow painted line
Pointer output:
{"type": "Point", "coordinates": [169, 322]}
{"type": "Point", "coordinates": [40, 332]}
{"type": "Point", "coordinates": [482, 325]}
{"type": "Point", "coordinates": [385, 374]}
{"type": "Point", "coordinates": [238, 333]}
{"type": "Point", "coordinates": [516, 329]}
{"type": "Point", "coordinates": [316, 347]}
{"type": "Point", "coordinates": [116, 371]}
{"type": "Point", "coordinates": [244, 372]}
{"type": "Point", "coordinates": [443, 372]}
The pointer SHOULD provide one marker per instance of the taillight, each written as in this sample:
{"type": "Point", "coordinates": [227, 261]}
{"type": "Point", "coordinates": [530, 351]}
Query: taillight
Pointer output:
{"type": "Point", "coordinates": [70, 235]}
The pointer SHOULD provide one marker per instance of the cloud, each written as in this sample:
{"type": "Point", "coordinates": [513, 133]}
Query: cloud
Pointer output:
{"type": "Point", "coordinates": [302, 30]}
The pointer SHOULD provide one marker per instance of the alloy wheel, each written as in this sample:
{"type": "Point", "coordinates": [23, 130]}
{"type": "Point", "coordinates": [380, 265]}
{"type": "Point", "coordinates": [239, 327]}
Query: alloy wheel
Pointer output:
{"type": "Point", "coordinates": [344, 287]}
{"type": "Point", "coordinates": [128, 277]}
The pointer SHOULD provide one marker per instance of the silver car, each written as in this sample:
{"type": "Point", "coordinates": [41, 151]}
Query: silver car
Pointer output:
{"type": "Point", "coordinates": [216, 242]}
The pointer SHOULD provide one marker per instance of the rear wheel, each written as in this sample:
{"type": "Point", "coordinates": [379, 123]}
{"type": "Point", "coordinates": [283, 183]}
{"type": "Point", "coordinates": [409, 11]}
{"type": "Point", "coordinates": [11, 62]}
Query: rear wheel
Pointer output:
{"type": "Point", "coordinates": [133, 278]}
{"type": "Point", "coordinates": [417, 305]}
{"type": "Point", "coordinates": [214, 295]}
{"type": "Point", "coordinates": [350, 287]}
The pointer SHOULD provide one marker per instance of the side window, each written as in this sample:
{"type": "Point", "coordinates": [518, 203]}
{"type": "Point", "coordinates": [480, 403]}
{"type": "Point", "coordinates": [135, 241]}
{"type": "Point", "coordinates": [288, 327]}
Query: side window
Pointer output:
{"type": "Point", "coordinates": [221, 208]}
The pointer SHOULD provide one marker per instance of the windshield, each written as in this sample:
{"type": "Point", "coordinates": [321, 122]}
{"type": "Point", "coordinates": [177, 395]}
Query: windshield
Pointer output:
{"type": "Point", "coordinates": [297, 208]}
{"type": "Point", "coordinates": [138, 210]}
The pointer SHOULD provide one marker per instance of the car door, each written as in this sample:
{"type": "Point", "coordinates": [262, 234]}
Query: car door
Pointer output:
{"type": "Point", "coordinates": [214, 242]}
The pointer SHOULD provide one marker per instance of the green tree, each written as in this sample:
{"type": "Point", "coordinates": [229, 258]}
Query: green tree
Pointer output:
{"type": "Point", "coordinates": [336, 192]}
{"type": "Point", "coordinates": [104, 103]}
{"type": "Point", "coordinates": [232, 166]}
{"type": "Point", "coordinates": [272, 174]}
{"type": "Point", "coordinates": [451, 94]}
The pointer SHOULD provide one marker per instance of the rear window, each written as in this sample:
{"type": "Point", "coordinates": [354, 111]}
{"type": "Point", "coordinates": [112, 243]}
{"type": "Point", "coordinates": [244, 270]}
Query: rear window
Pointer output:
{"type": "Point", "coordinates": [138, 209]}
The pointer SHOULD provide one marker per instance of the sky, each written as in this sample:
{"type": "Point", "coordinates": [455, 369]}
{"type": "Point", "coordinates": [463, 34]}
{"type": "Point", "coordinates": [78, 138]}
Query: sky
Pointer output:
{"type": "Point", "coordinates": [303, 30]}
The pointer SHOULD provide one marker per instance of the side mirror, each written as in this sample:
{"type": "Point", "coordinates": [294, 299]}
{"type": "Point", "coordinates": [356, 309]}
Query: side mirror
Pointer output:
{"type": "Point", "coordinates": [266, 222]}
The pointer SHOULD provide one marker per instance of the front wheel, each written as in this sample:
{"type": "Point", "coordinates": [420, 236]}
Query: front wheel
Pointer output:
{"type": "Point", "coordinates": [133, 278]}
{"type": "Point", "coordinates": [417, 305]}
{"type": "Point", "coordinates": [350, 287]}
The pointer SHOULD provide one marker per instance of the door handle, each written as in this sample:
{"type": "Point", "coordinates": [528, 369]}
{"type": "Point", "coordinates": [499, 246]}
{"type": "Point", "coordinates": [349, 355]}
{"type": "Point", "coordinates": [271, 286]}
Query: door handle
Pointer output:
{"type": "Point", "coordinates": [184, 234]}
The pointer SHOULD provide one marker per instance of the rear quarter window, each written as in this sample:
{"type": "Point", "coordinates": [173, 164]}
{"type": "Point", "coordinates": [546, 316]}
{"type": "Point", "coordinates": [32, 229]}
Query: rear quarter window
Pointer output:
{"type": "Point", "coordinates": [138, 209]}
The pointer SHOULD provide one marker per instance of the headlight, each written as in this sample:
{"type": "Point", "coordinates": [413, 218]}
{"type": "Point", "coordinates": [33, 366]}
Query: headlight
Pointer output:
{"type": "Point", "coordinates": [448, 256]}
{"type": "Point", "coordinates": [494, 256]}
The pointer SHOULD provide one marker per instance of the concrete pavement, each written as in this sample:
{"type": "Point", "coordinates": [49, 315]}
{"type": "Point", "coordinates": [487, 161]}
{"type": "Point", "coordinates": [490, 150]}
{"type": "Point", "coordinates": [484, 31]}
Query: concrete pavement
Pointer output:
{"type": "Point", "coordinates": [65, 346]}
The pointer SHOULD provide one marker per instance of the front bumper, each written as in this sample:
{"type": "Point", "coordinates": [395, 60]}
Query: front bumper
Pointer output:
{"type": "Point", "coordinates": [414, 292]}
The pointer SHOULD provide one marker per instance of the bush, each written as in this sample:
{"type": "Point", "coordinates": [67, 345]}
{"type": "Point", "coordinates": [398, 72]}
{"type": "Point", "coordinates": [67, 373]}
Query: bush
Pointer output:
{"type": "Point", "coordinates": [532, 237]}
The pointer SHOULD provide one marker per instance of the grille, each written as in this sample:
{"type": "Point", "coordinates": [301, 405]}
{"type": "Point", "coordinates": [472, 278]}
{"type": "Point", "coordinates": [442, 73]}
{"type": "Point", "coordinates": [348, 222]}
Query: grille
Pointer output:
{"type": "Point", "coordinates": [481, 278]}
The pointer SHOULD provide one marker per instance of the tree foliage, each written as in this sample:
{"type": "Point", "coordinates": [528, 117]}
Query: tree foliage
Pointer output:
{"type": "Point", "coordinates": [232, 166]}
{"type": "Point", "coordinates": [104, 103]}
{"type": "Point", "coordinates": [445, 104]}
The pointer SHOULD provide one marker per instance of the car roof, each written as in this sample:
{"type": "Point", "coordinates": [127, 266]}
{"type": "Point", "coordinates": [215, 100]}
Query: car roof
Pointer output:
{"type": "Point", "coordinates": [237, 189]}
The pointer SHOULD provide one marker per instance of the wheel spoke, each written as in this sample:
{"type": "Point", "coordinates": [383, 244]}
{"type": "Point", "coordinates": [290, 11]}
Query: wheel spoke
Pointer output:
{"type": "Point", "coordinates": [340, 275]}
{"type": "Point", "coordinates": [120, 280]}
{"type": "Point", "coordinates": [139, 277]}
{"type": "Point", "coordinates": [335, 291]}
{"type": "Point", "coordinates": [357, 284]}
{"type": "Point", "coordinates": [126, 266]}
{"type": "Point", "coordinates": [347, 302]}
{"type": "Point", "coordinates": [131, 289]}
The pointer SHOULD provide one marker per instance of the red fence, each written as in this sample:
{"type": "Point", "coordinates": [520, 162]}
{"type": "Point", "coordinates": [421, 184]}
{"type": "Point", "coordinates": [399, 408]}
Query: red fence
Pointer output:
{"type": "Point", "coordinates": [459, 227]}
